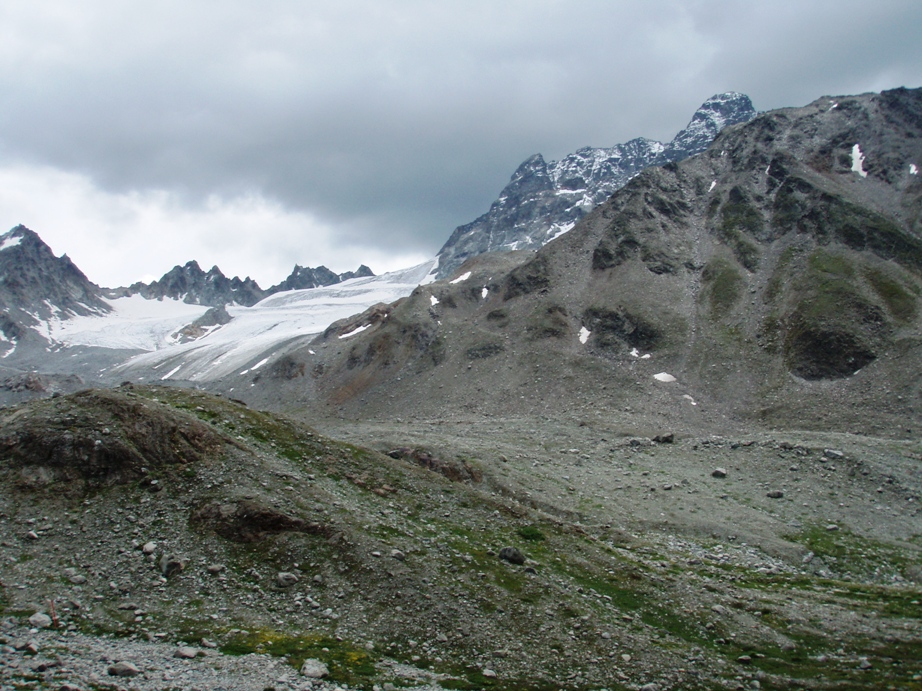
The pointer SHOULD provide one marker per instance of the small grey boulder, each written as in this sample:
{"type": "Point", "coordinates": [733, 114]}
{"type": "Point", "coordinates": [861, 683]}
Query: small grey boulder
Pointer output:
{"type": "Point", "coordinates": [314, 669]}
{"type": "Point", "coordinates": [123, 669]}
{"type": "Point", "coordinates": [286, 579]}
{"type": "Point", "coordinates": [40, 620]}
{"type": "Point", "coordinates": [170, 564]}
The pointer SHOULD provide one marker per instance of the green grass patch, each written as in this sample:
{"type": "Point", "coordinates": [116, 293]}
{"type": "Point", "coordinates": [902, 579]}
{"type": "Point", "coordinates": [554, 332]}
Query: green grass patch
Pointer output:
{"type": "Point", "coordinates": [348, 664]}
{"type": "Point", "coordinates": [531, 533]}
{"type": "Point", "coordinates": [860, 557]}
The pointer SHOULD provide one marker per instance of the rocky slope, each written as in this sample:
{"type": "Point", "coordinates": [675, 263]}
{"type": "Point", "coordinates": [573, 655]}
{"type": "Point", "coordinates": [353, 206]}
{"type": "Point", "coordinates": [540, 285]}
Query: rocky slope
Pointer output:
{"type": "Point", "coordinates": [774, 279]}
{"type": "Point", "coordinates": [512, 554]}
{"type": "Point", "coordinates": [545, 199]}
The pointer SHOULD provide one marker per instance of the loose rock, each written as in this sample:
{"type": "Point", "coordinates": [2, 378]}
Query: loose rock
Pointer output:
{"type": "Point", "coordinates": [719, 472]}
{"type": "Point", "coordinates": [40, 620]}
{"type": "Point", "coordinates": [286, 579]}
{"type": "Point", "coordinates": [170, 565]}
{"type": "Point", "coordinates": [124, 669]}
{"type": "Point", "coordinates": [512, 555]}
{"type": "Point", "coordinates": [314, 669]}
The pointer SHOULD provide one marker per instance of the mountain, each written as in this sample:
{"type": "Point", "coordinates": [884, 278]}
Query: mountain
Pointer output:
{"type": "Point", "coordinates": [37, 287]}
{"type": "Point", "coordinates": [775, 278]}
{"type": "Point", "coordinates": [544, 200]}
{"type": "Point", "coordinates": [192, 285]}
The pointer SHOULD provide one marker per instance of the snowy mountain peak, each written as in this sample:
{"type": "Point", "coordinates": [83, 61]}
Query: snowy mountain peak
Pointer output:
{"type": "Point", "coordinates": [544, 199]}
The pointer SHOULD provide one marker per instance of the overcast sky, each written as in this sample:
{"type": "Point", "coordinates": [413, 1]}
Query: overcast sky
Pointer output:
{"type": "Point", "coordinates": [256, 135]}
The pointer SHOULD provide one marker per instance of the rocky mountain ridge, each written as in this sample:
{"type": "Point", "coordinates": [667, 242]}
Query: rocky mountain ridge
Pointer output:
{"type": "Point", "coordinates": [544, 199]}
{"type": "Point", "coordinates": [36, 286]}
{"type": "Point", "coordinates": [39, 290]}
{"type": "Point", "coordinates": [191, 284]}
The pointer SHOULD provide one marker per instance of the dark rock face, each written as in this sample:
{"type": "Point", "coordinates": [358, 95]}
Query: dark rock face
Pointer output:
{"type": "Point", "coordinates": [190, 284]}
{"type": "Point", "coordinates": [544, 200]}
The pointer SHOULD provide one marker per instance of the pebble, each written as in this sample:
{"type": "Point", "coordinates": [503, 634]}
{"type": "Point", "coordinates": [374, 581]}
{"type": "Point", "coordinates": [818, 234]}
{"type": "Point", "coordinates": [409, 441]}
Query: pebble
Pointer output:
{"type": "Point", "coordinates": [185, 652]}
{"type": "Point", "coordinates": [489, 673]}
{"type": "Point", "coordinates": [149, 547]}
{"type": "Point", "coordinates": [832, 527]}
{"type": "Point", "coordinates": [719, 472]}
{"type": "Point", "coordinates": [775, 494]}
{"type": "Point", "coordinates": [398, 555]}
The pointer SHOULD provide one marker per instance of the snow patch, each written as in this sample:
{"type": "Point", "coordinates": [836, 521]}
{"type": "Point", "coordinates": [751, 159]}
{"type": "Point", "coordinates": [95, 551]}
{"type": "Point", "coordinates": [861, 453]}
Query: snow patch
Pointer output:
{"type": "Point", "coordinates": [133, 324]}
{"type": "Point", "coordinates": [259, 364]}
{"type": "Point", "coordinates": [858, 161]}
{"type": "Point", "coordinates": [912, 169]}
{"type": "Point", "coordinates": [463, 277]}
{"type": "Point", "coordinates": [636, 353]}
{"type": "Point", "coordinates": [484, 293]}
{"type": "Point", "coordinates": [584, 334]}
{"type": "Point", "coordinates": [171, 373]}
{"type": "Point", "coordinates": [713, 185]}
{"type": "Point", "coordinates": [664, 377]}
{"type": "Point", "coordinates": [256, 331]}
{"type": "Point", "coordinates": [10, 242]}
{"type": "Point", "coordinates": [432, 298]}
{"type": "Point", "coordinates": [556, 230]}
{"type": "Point", "coordinates": [689, 399]}
{"type": "Point", "coordinates": [833, 106]}
{"type": "Point", "coordinates": [355, 331]}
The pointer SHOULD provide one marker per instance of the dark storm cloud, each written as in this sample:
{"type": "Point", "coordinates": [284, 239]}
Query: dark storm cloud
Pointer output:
{"type": "Point", "coordinates": [393, 122]}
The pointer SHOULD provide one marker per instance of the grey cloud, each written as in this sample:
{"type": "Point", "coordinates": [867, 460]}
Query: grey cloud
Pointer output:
{"type": "Point", "coordinates": [397, 121]}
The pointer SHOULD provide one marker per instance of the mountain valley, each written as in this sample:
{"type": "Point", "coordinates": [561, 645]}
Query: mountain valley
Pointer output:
{"type": "Point", "coordinates": [674, 447]}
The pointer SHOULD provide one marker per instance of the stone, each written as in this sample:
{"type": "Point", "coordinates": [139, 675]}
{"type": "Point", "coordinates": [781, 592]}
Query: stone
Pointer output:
{"type": "Point", "coordinates": [123, 669]}
{"type": "Point", "coordinates": [32, 535]}
{"type": "Point", "coordinates": [775, 494]}
{"type": "Point", "coordinates": [185, 652]}
{"type": "Point", "coordinates": [650, 687]}
{"type": "Point", "coordinates": [398, 555]}
{"type": "Point", "coordinates": [864, 663]}
{"type": "Point", "coordinates": [833, 453]}
{"type": "Point", "coordinates": [719, 472]}
{"type": "Point", "coordinates": [664, 438]}
{"type": "Point", "coordinates": [832, 527]}
{"type": "Point", "coordinates": [314, 669]}
{"type": "Point", "coordinates": [170, 565]}
{"type": "Point", "coordinates": [489, 673]}
{"type": "Point", "coordinates": [215, 569]}
{"type": "Point", "coordinates": [40, 620]}
{"type": "Point", "coordinates": [744, 659]}
{"type": "Point", "coordinates": [286, 579]}
{"type": "Point", "coordinates": [149, 547]}
{"type": "Point", "coordinates": [512, 555]}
